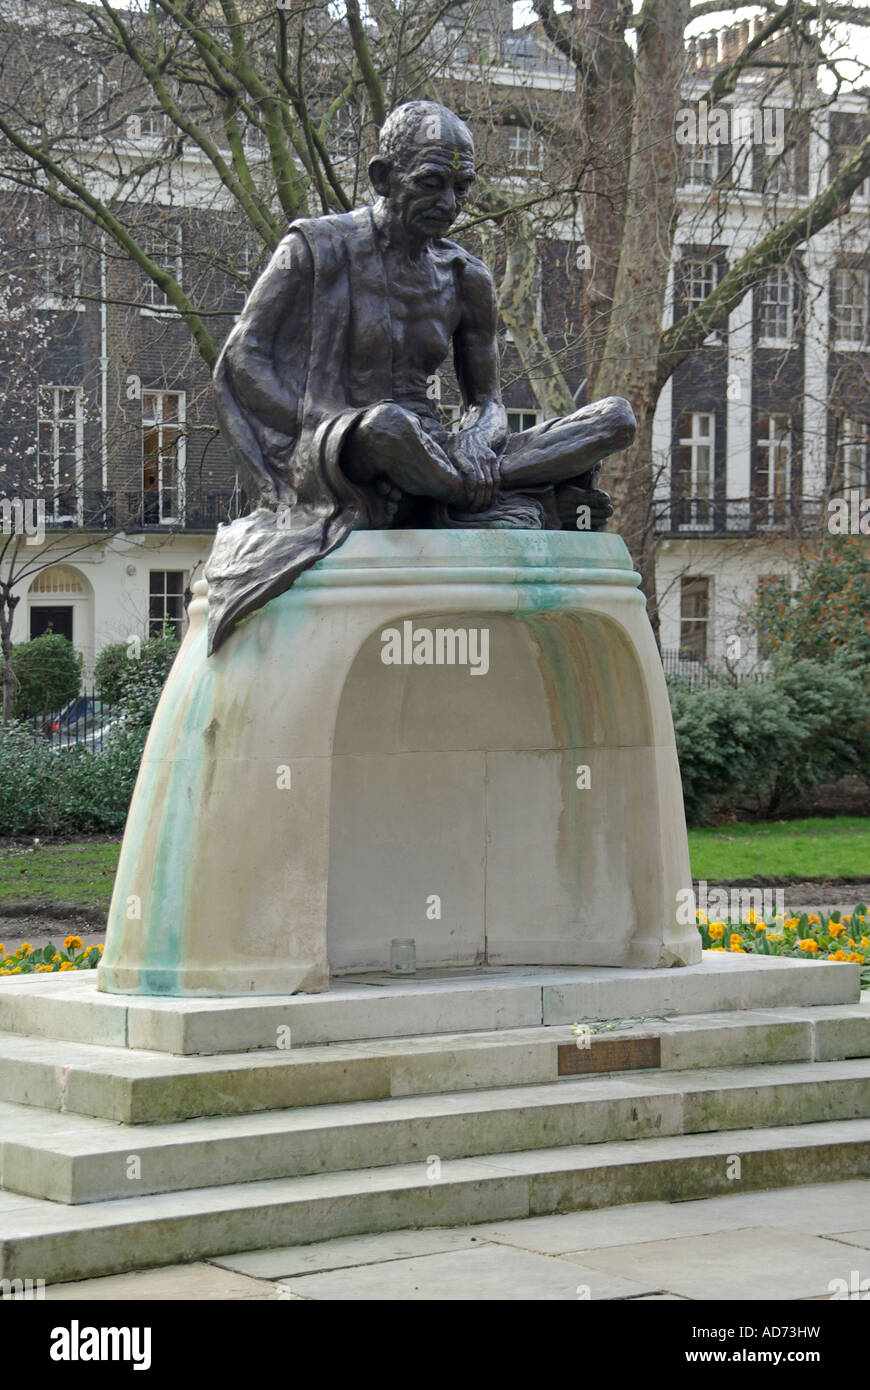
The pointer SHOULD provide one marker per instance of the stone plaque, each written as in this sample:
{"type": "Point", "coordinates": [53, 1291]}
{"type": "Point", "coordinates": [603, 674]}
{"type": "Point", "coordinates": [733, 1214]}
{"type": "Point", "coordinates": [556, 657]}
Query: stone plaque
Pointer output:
{"type": "Point", "coordinates": [609, 1054]}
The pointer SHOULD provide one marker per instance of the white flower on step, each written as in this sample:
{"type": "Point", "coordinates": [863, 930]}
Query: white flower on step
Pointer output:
{"type": "Point", "coordinates": [583, 1033]}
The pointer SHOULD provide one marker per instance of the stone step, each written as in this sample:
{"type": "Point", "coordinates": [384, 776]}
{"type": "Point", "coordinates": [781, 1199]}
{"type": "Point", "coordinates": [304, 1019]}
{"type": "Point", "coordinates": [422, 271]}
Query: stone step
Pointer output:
{"type": "Point", "coordinates": [68, 1006]}
{"type": "Point", "coordinates": [46, 1240]}
{"type": "Point", "coordinates": [68, 1159]}
{"type": "Point", "coordinates": [140, 1087]}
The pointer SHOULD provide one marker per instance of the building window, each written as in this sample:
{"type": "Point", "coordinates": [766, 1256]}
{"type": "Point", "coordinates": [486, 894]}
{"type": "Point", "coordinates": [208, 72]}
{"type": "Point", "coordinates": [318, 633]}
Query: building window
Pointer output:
{"type": "Point", "coordinates": [57, 579]}
{"type": "Point", "coordinates": [146, 125]}
{"type": "Point", "coordinates": [63, 113]}
{"type": "Point", "coordinates": [165, 602]}
{"type": "Point", "coordinates": [247, 267]}
{"type": "Point", "coordinates": [861, 196]}
{"type": "Point", "coordinates": [162, 457]}
{"type": "Point", "coordinates": [776, 308]}
{"type": "Point", "coordinates": [344, 133]}
{"type": "Point", "coordinates": [778, 169]}
{"type": "Point", "coordinates": [694, 480]}
{"type": "Point", "coordinates": [164, 248]}
{"type": "Point", "coordinates": [701, 166]}
{"type": "Point", "coordinates": [694, 617]}
{"type": "Point", "coordinates": [774, 469]}
{"type": "Point", "coordinates": [60, 451]}
{"type": "Point", "coordinates": [58, 242]}
{"type": "Point", "coordinates": [519, 420]}
{"type": "Point", "coordinates": [699, 281]}
{"type": "Point", "coordinates": [255, 138]}
{"type": "Point", "coordinates": [850, 308]}
{"type": "Point", "coordinates": [524, 149]}
{"type": "Point", "coordinates": [852, 455]}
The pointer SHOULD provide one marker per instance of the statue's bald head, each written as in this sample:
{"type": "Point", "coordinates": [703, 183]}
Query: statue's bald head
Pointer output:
{"type": "Point", "coordinates": [416, 124]}
{"type": "Point", "coordinates": [423, 170]}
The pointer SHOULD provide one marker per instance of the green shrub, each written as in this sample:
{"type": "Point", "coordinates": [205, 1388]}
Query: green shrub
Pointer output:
{"type": "Point", "coordinates": [143, 679]}
{"type": "Point", "coordinates": [744, 748]}
{"type": "Point", "coordinates": [48, 674]}
{"type": "Point", "coordinates": [51, 790]}
{"type": "Point", "coordinates": [109, 669]}
{"type": "Point", "coordinates": [134, 679]}
{"type": "Point", "coordinates": [828, 610]}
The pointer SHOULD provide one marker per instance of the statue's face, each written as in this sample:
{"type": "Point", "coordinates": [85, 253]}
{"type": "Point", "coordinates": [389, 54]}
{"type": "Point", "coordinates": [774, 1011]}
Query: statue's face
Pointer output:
{"type": "Point", "coordinates": [429, 189]}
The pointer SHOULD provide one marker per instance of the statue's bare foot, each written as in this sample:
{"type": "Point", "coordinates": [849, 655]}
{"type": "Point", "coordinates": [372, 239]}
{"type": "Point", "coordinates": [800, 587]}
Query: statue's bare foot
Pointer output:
{"type": "Point", "coordinates": [583, 509]}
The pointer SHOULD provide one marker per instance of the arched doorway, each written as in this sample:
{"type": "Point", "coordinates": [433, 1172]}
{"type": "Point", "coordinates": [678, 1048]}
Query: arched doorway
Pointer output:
{"type": "Point", "coordinates": [60, 600]}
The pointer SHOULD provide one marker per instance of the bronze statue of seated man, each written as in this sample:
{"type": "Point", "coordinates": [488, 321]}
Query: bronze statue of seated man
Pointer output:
{"type": "Point", "coordinates": [325, 389]}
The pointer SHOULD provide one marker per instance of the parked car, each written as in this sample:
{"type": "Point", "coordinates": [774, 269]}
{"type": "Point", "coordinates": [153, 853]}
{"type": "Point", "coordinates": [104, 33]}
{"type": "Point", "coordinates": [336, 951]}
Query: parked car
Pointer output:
{"type": "Point", "coordinates": [86, 720]}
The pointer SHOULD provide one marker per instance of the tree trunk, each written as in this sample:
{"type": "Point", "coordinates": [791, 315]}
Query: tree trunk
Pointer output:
{"type": "Point", "coordinates": [517, 303]}
{"type": "Point", "coordinates": [8, 604]}
{"type": "Point", "coordinates": [630, 360]}
{"type": "Point", "coordinates": [604, 95]}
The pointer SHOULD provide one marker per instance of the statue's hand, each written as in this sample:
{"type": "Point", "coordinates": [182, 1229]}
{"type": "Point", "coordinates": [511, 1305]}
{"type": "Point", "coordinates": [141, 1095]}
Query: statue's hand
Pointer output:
{"type": "Point", "coordinates": [479, 466]}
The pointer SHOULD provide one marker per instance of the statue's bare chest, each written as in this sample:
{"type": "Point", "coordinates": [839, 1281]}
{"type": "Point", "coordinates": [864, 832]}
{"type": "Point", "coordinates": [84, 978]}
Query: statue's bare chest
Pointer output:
{"type": "Point", "coordinates": [424, 310]}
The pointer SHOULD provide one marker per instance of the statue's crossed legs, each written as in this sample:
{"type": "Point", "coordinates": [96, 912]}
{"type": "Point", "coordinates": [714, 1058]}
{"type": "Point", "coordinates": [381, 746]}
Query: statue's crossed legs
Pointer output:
{"type": "Point", "coordinates": [545, 472]}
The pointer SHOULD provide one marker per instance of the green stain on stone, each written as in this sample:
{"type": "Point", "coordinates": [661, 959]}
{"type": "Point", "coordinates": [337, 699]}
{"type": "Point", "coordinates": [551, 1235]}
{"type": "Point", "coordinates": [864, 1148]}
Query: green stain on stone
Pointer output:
{"type": "Point", "coordinates": [204, 714]}
{"type": "Point", "coordinates": [149, 802]}
{"type": "Point", "coordinates": [175, 859]}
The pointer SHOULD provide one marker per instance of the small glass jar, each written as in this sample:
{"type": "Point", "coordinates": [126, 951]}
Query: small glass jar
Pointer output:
{"type": "Point", "coordinates": [403, 956]}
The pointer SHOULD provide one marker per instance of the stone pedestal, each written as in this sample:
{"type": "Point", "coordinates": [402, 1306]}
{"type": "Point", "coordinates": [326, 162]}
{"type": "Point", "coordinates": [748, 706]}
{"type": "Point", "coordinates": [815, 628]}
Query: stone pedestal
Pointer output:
{"type": "Point", "coordinates": [331, 779]}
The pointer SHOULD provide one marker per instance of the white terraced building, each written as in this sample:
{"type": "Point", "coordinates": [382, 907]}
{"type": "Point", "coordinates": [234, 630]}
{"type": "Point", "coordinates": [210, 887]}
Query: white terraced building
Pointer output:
{"type": "Point", "coordinates": [753, 433]}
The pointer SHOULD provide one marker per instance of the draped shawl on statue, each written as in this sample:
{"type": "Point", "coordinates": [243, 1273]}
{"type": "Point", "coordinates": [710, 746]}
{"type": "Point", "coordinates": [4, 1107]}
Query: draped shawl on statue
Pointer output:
{"type": "Point", "coordinates": [333, 352]}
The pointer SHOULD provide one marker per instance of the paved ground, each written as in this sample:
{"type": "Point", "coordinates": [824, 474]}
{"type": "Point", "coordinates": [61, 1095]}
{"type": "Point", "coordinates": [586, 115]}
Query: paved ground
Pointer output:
{"type": "Point", "coordinates": [793, 1243]}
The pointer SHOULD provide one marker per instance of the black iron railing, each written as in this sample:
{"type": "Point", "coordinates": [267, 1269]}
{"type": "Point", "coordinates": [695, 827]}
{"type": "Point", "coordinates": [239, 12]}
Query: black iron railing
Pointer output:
{"type": "Point", "coordinates": [135, 511]}
{"type": "Point", "coordinates": [686, 668]}
{"type": "Point", "coordinates": [739, 516]}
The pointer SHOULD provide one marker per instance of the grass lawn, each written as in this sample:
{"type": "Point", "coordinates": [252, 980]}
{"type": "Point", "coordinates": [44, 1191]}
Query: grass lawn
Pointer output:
{"type": "Point", "coordinates": [81, 873]}
{"type": "Point", "coordinates": [817, 847]}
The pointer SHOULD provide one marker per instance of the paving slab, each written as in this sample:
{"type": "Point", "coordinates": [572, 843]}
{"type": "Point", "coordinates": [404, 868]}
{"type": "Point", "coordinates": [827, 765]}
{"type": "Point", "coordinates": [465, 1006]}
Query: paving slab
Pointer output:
{"type": "Point", "coordinates": [202, 1282]}
{"type": "Point", "coordinates": [347, 1252]}
{"type": "Point", "coordinates": [854, 1237]}
{"type": "Point", "coordinates": [659, 1298]}
{"type": "Point", "coordinates": [489, 1273]}
{"type": "Point", "coordinates": [818, 1210]}
{"type": "Point", "coordinates": [759, 1264]}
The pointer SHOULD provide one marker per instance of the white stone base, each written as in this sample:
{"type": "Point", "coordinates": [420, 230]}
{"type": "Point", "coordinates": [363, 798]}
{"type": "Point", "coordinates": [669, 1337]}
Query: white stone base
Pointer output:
{"type": "Point", "coordinates": [301, 803]}
{"type": "Point", "coordinates": [69, 1006]}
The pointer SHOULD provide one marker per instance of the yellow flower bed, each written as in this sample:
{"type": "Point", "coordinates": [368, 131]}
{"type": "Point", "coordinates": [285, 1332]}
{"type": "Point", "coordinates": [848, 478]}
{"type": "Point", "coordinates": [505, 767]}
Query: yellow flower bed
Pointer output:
{"type": "Point", "coordinates": [813, 937]}
{"type": "Point", "coordinates": [46, 960]}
